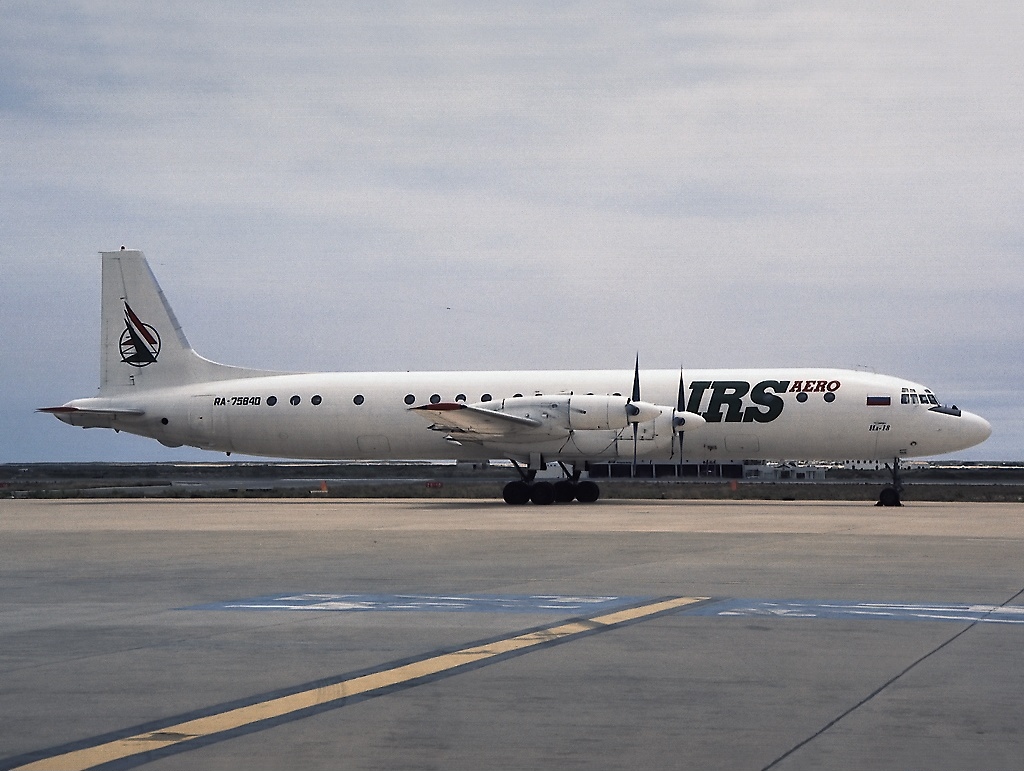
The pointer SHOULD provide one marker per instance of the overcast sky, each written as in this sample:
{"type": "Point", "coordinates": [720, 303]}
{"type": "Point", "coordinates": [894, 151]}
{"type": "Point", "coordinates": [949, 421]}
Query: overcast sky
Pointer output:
{"type": "Point", "coordinates": [379, 186]}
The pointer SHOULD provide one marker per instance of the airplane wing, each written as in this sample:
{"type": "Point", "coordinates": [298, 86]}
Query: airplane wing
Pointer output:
{"type": "Point", "coordinates": [465, 418]}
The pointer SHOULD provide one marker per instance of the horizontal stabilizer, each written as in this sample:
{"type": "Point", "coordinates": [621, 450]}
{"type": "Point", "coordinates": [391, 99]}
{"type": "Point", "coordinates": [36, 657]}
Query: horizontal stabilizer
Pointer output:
{"type": "Point", "coordinates": [99, 417]}
{"type": "Point", "coordinates": [79, 410]}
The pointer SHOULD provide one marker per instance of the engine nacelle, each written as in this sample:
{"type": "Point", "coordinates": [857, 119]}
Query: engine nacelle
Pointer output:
{"type": "Point", "coordinates": [600, 413]}
{"type": "Point", "coordinates": [686, 421]}
{"type": "Point", "coordinates": [579, 412]}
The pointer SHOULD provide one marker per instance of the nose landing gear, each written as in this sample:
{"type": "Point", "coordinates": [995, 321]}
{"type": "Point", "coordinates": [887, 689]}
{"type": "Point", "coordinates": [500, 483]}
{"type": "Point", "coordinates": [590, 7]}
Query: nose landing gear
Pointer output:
{"type": "Point", "coordinates": [890, 494]}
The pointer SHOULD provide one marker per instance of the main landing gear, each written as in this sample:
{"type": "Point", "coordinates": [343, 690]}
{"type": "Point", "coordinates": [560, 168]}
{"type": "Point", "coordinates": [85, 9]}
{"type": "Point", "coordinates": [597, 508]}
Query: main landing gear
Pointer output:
{"type": "Point", "coordinates": [543, 493]}
{"type": "Point", "coordinates": [890, 494]}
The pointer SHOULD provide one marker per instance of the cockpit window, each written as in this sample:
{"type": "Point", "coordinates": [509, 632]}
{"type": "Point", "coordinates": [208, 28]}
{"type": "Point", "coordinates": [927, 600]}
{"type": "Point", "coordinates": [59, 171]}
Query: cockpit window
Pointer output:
{"type": "Point", "coordinates": [910, 396]}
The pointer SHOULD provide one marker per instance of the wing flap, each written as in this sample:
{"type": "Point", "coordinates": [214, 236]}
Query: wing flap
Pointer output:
{"type": "Point", "coordinates": [456, 416]}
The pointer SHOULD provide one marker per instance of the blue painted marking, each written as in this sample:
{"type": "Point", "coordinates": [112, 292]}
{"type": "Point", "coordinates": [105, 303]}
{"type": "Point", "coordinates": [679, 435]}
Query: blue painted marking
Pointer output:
{"type": "Point", "coordinates": [574, 605]}
{"type": "Point", "coordinates": [443, 603]}
{"type": "Point", "coordinates": [891, 611]}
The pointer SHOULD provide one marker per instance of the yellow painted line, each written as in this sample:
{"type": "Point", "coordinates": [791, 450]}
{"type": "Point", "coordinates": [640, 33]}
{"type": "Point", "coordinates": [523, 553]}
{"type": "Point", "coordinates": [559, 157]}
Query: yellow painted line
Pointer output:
{"type": "Point", "coordinates": [239, 717]}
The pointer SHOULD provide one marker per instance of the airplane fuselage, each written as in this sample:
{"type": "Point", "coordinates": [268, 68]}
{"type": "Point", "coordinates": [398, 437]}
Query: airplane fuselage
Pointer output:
{"type": "Point", "coordinates": [771, 413]}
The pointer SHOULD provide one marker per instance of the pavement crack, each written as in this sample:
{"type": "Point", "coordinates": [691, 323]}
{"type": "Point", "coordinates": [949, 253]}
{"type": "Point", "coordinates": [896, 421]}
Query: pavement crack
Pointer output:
{"type": "Point", "coordinates": [892, 680]}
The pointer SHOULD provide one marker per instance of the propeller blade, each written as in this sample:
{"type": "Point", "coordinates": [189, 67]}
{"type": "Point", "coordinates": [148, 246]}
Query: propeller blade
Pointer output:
{"type": "Point", "coordinates": [636, 380]}
{"type": "Point", "coordinates": [636, 429]}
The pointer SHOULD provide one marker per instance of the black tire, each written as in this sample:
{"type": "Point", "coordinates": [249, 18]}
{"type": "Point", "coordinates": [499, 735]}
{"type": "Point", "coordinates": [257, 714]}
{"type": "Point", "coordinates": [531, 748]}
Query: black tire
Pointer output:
{"type": "Point", "coordinates": [516, 493]}
{"type": "Point", "coordinates": [565, 491]}
{"type": "Point", "coordinates": [587, 491]}
{"type": "Point", "coordinates": [889, 496]}
{"type": "Point", "coordinates": [542, 493]}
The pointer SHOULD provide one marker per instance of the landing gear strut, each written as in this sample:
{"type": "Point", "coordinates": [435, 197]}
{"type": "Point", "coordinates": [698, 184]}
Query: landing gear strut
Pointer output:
{"type": "Point", "coordinates": [890, 494]}
{"type": "Point", "coordinates": [525, 489]}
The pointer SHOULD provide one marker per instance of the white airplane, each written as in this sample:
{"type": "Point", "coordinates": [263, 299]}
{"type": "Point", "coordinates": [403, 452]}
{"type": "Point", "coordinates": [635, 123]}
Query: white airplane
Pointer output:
{"type": "Point", "coordinates": [153, 384]}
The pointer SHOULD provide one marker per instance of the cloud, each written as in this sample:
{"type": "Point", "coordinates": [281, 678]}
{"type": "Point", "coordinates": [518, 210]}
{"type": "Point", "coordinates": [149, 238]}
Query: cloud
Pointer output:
{"type": "Point", "coordinates": [727, 184]}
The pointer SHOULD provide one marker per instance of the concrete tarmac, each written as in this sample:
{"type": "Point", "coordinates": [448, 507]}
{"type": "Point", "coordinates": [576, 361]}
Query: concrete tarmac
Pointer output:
{"type": "Point", "coordinates": [269, 634]}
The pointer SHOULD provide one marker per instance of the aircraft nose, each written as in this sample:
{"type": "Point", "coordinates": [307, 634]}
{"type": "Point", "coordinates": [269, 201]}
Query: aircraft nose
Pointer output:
{"type": "Point", "coordinates": [974, 428]}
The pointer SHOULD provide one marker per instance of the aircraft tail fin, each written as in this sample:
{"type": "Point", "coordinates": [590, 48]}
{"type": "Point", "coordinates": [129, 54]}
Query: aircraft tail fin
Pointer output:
{"type": "Point", "coordinates": [143, 345]}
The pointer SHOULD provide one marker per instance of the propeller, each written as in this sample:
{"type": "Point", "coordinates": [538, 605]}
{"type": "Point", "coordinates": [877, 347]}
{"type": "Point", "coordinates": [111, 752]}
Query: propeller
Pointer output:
{"type": "Point", "coordinates": [680, 407]}
{"type": "Point", "coordinates": [635, 410]}
{"type": "Point", "coordinates": [683, 420]}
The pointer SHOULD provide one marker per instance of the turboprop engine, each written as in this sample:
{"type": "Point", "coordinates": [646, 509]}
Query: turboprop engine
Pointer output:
{"type": "Point", "coordinates": [592, 423]}
{"type": "Point", "coordinates": [578, 412]}
{"type": "Point", "coordinates": [555, 415]}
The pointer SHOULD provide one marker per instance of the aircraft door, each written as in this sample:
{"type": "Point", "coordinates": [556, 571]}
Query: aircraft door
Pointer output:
{"type": "Point", "coordinates": [202, 423]}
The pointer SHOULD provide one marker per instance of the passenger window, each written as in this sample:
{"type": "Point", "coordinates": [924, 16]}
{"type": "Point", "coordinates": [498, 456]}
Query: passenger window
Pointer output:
{"type": "Point", "coordinates": [460, 398]}
{"type": "Point", "coordinates": [317, 399]}
{"type": "Point", "coordinates": [435, 398]}
{"type": "Point", "coordinates": [410, 399]}
{"type": "Point", "coordinates": [485, 398]}
{"type": "Point", "coordinates": [357, 399]}
{"type": "Point", "coordinates": [295, 400]}
{"type": "Point", "coordinates": [271, 400]}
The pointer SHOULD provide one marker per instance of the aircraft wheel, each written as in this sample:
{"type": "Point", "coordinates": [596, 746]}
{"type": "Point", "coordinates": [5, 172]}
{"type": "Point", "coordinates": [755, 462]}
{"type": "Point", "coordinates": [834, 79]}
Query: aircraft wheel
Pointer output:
{"type": "Point", "coordinates": [587, 492]}
{"type": "Point", "coordinates": [889, 496]}
{"type": "Point", "coordinates": [516, 493]}
{"type": "Point", "coordinates": [542, 493]}
{"type": "Point", "coordinates": [565, 491]}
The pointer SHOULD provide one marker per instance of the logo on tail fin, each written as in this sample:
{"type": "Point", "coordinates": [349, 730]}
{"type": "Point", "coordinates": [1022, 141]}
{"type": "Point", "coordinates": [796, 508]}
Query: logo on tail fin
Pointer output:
{"type": "Point", "coordinates": [140, 343]}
